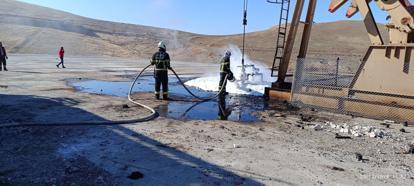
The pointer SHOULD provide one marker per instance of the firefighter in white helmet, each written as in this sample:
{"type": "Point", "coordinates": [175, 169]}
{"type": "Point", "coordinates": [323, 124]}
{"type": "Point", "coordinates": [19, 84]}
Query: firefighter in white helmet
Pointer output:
{"type": "Point", "coordinates": [161, 60]}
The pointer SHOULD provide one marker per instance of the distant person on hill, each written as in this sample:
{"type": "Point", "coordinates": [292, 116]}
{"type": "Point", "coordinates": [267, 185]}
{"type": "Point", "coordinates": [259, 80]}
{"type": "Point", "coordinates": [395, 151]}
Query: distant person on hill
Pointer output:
{"type": "Point", "coordinates": [3, 57]}
{"type": "Point", "coordinates": [161, 60]}
{"type": "Point", "coordinates": [61, 56]}
{"type": "Point", "coordinates": [225, 72]}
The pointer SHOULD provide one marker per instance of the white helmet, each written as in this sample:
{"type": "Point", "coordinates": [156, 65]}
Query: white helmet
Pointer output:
{"type": "Point", "coordinates": [228, 53]}
{"type": "Point", "coordinates": [161, 44]}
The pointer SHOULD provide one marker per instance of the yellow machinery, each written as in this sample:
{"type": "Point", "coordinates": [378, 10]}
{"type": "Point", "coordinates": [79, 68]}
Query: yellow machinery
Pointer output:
{"type": "Point", "coordinates": [383, 85]}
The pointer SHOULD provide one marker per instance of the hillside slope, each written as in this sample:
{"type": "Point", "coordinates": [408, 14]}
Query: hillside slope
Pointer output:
{"type": "Point", "coordinates": [33, 29]}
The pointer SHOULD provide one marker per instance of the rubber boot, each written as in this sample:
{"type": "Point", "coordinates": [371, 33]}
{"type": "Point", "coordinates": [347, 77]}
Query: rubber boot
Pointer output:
{"type": "Point", "coordinates": [224, 93]}
{"type": "Point", "coordinates": [63, 67]}
{"type": "Point", "coordinates": [57, 66]}
{"type": "Point", "coordinates": [165, 97]}
{"type": "Point", "coordinates": [5, 69]}
{"type": "Point", "coordinates": [157, 96]}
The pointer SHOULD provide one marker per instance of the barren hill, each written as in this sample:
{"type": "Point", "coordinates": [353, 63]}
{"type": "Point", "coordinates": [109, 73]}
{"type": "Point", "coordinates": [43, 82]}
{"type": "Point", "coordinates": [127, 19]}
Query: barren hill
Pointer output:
{"type": "Point", "coordinates": [27, 28]}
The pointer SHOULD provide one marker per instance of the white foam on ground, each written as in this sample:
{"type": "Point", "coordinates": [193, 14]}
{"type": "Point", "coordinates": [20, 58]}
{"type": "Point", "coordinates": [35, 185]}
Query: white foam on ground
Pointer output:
{"type": "Point", "coordinates": [254, 86]}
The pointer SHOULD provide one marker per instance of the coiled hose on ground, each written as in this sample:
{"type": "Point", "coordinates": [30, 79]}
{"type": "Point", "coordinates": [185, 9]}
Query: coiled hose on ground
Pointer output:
{"type": "Point", "coordinates": [153, 114]}
{"type": "Point", "coordinates": [197, 97]}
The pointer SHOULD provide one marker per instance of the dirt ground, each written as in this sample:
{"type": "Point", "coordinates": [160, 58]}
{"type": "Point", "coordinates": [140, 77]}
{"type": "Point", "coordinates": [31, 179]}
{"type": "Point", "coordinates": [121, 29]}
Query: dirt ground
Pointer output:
{"type": "Point", "coordinates": [290, 146]}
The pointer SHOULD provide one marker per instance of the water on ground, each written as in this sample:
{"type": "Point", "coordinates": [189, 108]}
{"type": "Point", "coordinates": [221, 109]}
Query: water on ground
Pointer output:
{"type": "Point", "coordinates": [233, 107]}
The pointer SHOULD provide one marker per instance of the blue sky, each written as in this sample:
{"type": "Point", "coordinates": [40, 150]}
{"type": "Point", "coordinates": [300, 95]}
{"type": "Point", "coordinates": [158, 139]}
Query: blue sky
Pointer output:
{"type": "Point", "coordinates": [215, 17]}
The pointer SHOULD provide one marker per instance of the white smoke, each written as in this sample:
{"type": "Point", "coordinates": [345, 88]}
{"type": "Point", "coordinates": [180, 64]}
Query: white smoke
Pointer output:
{"type": "Point", "coordinates": [236, 62]}
{"type": "Point", "coordinates": [255, 85]}
{"type": "Point", "coordinates": [175, 41]}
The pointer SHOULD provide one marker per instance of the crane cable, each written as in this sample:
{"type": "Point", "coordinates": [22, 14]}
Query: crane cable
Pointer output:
{"type": "Point", "coordinates": [245, 5]}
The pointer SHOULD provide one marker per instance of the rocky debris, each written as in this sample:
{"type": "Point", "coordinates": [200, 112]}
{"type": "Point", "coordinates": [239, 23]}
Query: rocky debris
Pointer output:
{"type": "Point", "coordinates": [280, 115]}
{"type": "Point", "coordinates": [136, 175]}
{"type": "Point", "coordinates": [336, 168]}
{"type": "Point", "coordinates": [338, 136]}
{"type": "Point", "coordinates": [358, 131]}
{"type": "Point", "coordinates": [277, 115]}
{"type": "Point", "coordinates": [125, 106]}
{"type": "Point", "coordinates": [403, 130]}
{"type": "Point", "coordinates": [345, 130]}
{"type": "Point", "coordinates": [262, 129]}
{"type": "Point", "coordinates": [236, 146]}
{"type": "Point", "coordinates": [409, 148]}
{"type": "Point", "coordinates": [317, 127]}
{"type": "Point", "coordinates": [372, 135]}
{"type": "Point", "coordinates": [359, 156]}
{"type": "Point", "coordinates": [300, 126]}
{"type": "Point", "coordinates": [389, 122]}
{"type": "Point", "coordinates": [376, 133]}
{"type": "Point", "coordinates": [306, 118]}
{"type": "Point", "coordinates": [386, 125]}
{"type": "Point", "coordinates": [405, 124]}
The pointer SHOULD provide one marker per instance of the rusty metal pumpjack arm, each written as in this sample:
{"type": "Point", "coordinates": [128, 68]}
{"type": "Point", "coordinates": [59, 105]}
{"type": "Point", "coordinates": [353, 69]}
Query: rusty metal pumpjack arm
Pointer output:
{"type": "Point", "coordinates": [401, 20]}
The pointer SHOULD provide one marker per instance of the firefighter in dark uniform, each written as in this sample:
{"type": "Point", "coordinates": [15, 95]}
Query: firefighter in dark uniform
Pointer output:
{"type": "Point", "coordinates": [3, 57]}
{"type": "Point", "coordinates": [225, 72]}
{"type": "Point", "coordinates": [161, 60]}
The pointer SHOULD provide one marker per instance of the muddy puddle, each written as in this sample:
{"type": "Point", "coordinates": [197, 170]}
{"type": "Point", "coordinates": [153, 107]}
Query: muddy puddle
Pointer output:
{"type": "Point", "coordinates": [232, 108]}
{"type": "Point", "coordinates": [121, 88]}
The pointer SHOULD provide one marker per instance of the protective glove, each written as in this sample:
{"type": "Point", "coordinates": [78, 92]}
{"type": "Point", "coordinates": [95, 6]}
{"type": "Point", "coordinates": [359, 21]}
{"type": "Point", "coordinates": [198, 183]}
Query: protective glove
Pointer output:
{"type": "Point", "coordinates": [7, 57]}
{"type": "Point", "coordinates": [230, 77]}
{"type": "Point", "coordinates": [169, 68]}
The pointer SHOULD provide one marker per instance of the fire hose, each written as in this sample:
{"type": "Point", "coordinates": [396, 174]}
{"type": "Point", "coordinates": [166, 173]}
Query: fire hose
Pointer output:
{"type": "Point", "coordinates": [197, 97]}
{"type": "Point", "coordinates": [153, 114]}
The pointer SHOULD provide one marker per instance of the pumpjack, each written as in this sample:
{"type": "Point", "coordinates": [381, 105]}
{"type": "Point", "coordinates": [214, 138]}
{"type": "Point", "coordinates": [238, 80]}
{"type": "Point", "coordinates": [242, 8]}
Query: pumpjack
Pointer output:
{"type": "Point", "coordinates": [382, 87]}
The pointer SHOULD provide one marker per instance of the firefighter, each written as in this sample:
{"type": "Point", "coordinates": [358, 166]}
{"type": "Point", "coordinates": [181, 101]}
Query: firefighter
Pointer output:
{"type": "Point", "coordinates": [61, 56]}
{"type": "Point", "coordinates": [225, 72]}
{"type": "Point", "coordinates": [3, 57]}
{"type": "Point", "coordinates": [161, 60]}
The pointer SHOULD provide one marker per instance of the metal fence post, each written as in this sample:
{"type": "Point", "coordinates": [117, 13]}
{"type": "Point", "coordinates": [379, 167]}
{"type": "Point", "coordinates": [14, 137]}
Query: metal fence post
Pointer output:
{"type": "Point", "coordinates": [337, 71]}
